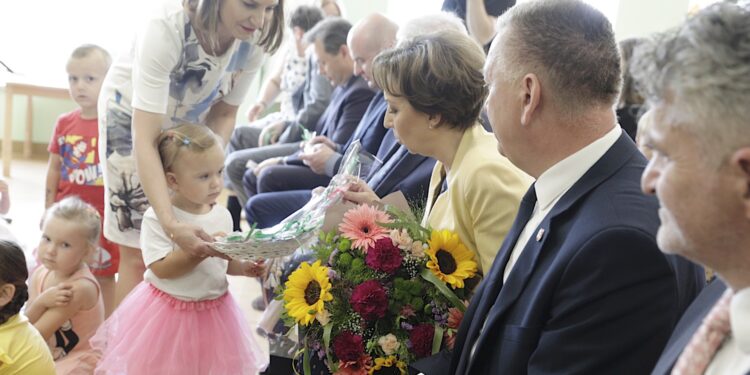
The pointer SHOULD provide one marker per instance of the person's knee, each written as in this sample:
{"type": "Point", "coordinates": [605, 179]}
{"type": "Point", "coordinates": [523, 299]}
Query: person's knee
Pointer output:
{"type": "Point", "coordinates": [269, 180]}
{"type": "Point", "coordinates": [250, 183]}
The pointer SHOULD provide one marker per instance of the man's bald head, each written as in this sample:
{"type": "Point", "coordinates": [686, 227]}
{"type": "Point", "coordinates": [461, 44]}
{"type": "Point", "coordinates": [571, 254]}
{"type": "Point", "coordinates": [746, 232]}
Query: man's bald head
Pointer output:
{"type": "Point", "coordinates": [367, 39]}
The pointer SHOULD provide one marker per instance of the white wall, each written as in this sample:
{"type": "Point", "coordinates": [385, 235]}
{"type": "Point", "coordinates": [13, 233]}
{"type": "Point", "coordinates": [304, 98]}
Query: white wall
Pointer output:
{"type": "Point", "coordinates": [637, 18]}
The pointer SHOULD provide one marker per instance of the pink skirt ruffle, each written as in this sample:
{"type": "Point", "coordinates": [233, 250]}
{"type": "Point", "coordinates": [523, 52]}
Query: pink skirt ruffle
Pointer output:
{"type": "Point", "coordinates": [152, 332]}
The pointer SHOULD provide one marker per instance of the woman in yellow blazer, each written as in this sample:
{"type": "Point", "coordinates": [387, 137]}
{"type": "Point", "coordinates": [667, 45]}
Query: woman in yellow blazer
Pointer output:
{"type": "Point", "coordinates": [435, 90]}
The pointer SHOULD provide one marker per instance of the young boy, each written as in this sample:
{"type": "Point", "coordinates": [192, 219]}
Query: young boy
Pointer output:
{"type": "Point", "coordinates": [74, 160]}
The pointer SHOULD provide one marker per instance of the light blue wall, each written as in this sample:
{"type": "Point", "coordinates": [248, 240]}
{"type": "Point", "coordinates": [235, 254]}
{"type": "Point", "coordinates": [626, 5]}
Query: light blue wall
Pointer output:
{"type": "Point", "coordinates": [45, 113]}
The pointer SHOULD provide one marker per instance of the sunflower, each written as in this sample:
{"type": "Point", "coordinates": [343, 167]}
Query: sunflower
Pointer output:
{"type": "Point", "coordinates": [388, 365]}
{"type": "Point", "coordinates": [306, 291]}
{"type": "Point", "coordinates": [450, 260]}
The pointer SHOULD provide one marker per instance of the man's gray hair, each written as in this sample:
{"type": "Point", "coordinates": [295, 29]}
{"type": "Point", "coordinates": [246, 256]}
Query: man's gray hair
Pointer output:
{"type": "Point", "coordinates": [429, 23]}
{"type": "Point", "coordinates": [331, 32]}
{"type": "Point", "coordinates": [569, 44]}
{"type": "Point", "coordinates": [702, 69]}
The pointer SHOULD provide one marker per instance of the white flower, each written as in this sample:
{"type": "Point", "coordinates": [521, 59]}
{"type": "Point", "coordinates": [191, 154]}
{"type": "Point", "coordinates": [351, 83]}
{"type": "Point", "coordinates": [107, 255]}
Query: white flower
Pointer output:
{"type": "Point", "coordinates": [389, 343]}
{"type": "Point", "coordinates": [417, 249]}
{"type": "Point", "coordinates": [323, 317]}
{"type": "Point", "coordinates": [401, 239]}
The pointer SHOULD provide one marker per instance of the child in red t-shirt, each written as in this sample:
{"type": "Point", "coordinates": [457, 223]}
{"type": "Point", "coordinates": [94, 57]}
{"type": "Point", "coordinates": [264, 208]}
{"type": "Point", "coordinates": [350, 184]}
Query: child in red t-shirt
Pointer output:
{"type": "Point", "coordinates": [74, 160]}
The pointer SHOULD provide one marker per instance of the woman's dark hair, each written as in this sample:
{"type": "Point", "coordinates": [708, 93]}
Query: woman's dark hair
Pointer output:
{"type": "Point", "coordinates": [305, 17]}
{"type": "Point", "coordinates": [13, 271]}
{"type": "Point", "coordinates": [437, 73]}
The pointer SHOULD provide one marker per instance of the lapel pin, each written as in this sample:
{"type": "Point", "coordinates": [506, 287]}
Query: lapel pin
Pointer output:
{"type": "Point", "coordinates": [539, 234]}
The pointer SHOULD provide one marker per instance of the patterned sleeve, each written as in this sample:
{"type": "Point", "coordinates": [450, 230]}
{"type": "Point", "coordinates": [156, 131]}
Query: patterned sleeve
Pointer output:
{"type": "Point", "coordinates": [155, 244]}
{"type": "Point", "coordinates": [244, 76]}
{"type": "Point", "coordinates": [157, 51]}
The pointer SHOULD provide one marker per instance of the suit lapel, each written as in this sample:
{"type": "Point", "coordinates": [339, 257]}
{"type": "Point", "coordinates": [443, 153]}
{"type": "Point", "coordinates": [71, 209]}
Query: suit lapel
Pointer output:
{"type": "Point", "coordinates": [684, 332]}
{"type": "Point", "coordinates": [493, 283]}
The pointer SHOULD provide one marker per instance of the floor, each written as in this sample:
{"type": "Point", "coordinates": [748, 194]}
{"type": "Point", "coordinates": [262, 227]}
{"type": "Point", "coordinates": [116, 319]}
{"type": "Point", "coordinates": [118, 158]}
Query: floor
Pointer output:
{"type": "Point", "coordinates": [27, 206]}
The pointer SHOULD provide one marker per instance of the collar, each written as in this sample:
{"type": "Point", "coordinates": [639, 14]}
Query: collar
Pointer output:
{"type": "Point", "coordinates": [560, 177]}
{"type": "Point", "coordinates": [739, 314]}
{"type": "Point", "coordinates": [468, 141]}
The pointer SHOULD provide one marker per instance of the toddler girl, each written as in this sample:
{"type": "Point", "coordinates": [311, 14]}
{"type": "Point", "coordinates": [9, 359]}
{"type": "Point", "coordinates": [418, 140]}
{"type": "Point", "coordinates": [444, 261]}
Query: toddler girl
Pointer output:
{"type": "Point", "coordinates": [22, 349]}
{"type": "Point", "coordinates": [181, 318]}
{"type": "Point", "coordinates": [65, 302]}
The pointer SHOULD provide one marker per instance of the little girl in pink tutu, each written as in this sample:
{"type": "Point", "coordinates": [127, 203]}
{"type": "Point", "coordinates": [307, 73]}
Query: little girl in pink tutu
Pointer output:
{"type": "Point", "coordinates": [181, 318]}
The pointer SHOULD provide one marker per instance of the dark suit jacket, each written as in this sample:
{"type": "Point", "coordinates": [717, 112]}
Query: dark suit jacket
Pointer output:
{"type": "Point", "coordinates": [370, 130]}
{"type": "Point", "coordinates": [688, 325]}
{"type": "Point", "coordinates": [591, 295]}
{"type": "Point", "coordinates": [401, 171]}
{"type": "Point", "coordinates": [348, 104]}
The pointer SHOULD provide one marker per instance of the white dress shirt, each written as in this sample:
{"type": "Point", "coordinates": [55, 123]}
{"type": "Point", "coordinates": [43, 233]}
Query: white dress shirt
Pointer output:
{"type": "Point", "coordinates": [733, 357]}
{"type": "Point", "coordinates": [555, 182]}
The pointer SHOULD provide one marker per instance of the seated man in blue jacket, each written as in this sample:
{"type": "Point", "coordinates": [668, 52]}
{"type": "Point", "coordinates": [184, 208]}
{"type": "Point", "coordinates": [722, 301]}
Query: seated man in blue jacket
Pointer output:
{"type": "Point", "coordinates": [322, 156]}
{"type": "Point", "coordinates": [399, 170]}
{"type": "Point", "coordinates": [349, 99]}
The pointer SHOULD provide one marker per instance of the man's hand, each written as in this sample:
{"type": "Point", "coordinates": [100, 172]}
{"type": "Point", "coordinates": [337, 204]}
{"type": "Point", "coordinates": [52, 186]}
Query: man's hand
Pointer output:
{"type": "Point", "coordinates": [321, 139]}
{"type": "Point", "coordinates": [271, 133]}
{"type": "Point", "coordinates": [317, 158]}
{"type": "Point", "coordinates": [56, 296]}
{"type": "Point", "coordinates": [265, 164]}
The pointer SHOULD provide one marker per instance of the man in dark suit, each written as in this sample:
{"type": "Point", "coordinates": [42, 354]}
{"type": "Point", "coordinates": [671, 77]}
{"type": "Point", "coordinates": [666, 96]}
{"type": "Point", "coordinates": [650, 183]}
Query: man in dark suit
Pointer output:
{"type": "Point", "coordinates": [349, 100]}
{"type": "Point", "coordinates": [579, 285]}
{"type": "Point", "coordinates": [697, 79]}
{"type": "Point", "coordinates": [315, 166]}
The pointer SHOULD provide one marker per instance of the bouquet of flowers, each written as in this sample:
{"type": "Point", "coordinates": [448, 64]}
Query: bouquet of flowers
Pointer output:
{"type": "Point", "coordinates": [384, 291]}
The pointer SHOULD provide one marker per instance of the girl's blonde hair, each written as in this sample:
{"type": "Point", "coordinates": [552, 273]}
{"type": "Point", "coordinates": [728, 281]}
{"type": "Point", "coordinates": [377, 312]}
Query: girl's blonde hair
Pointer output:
{"type": "Point", "coordinates": [207, 20]}
{"type": "Point", "coordinates": [196, 138]}
{"type": "Point", "coordinates": [74, 209]}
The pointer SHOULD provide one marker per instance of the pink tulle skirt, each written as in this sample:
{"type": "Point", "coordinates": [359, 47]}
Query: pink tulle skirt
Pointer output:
{"type": "Point", "coordinates": [152, 332]}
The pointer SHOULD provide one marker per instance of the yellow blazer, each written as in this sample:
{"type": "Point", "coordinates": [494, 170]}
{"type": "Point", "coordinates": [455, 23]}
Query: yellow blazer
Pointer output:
{"type": "Point", "coordinates": [483, 195]}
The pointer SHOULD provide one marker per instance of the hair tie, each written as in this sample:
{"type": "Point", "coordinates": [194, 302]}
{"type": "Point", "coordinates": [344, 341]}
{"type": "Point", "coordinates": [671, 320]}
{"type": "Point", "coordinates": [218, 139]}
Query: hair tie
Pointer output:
{"type": "Point", "coordinates": [186, 141]}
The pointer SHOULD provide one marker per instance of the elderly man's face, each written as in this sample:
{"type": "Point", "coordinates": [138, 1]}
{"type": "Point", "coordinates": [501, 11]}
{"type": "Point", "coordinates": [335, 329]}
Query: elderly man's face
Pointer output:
{"type": "Point", "coordinates": [362, 57]}
{"type": "Point", "coordinates": [695, 204]}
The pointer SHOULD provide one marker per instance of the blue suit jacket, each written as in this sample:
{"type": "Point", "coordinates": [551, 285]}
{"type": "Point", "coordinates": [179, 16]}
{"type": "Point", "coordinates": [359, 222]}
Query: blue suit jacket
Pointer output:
{"type": "Point", "coordinates": [348, 104]}
{"type": "Point", "coordinates": [688, 325]}
{"type": "Point", "coordinates": [401, 171]}
{"type": "Point", "coordinates": [370, 130]}
{"type": "Point", "coordinates": [591, 295]}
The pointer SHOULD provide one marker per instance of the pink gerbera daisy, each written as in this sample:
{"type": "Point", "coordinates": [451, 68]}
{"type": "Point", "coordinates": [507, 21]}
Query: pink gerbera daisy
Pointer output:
{"type": "Point", "coordinates": [360, 225]}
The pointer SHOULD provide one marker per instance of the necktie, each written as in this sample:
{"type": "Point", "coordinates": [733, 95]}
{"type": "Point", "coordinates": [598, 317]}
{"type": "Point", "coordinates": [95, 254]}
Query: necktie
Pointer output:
{"type": "Point", "coordinates": [707, 339]}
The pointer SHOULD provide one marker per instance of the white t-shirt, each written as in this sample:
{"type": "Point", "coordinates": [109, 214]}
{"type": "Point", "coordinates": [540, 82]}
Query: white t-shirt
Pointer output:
{"type": "Point", "coordinates": [208, 279]}
{"type": "Point", "coordinates": [167, 71]}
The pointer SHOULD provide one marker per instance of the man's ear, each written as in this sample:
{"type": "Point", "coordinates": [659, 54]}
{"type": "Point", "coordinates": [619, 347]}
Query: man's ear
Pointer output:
{"type": "Point", "coordinates": [740, 162]}
{"type": "Point", "coordinates": [531, 89]}
{"type": "Point", "coordinates": [434, 120]}
{"type": "Point", "coordinates": [7, 291]}
{"type": "Point", "coordinates": [344, 51]}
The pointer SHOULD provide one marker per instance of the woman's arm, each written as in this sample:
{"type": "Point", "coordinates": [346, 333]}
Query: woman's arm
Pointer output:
{"type": "Point", "coordinates": [53, 179]}
{"type": "Point", "coordinates": [480, 24]}
{"type": "Point", "coordinates": [146, 129]}
{"type": "Point", "coordinates": [221, 119]}
{"type": "Point", "coordinates": [268, 93]}
{"type": "Point", "coordinates": [84, 297]}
